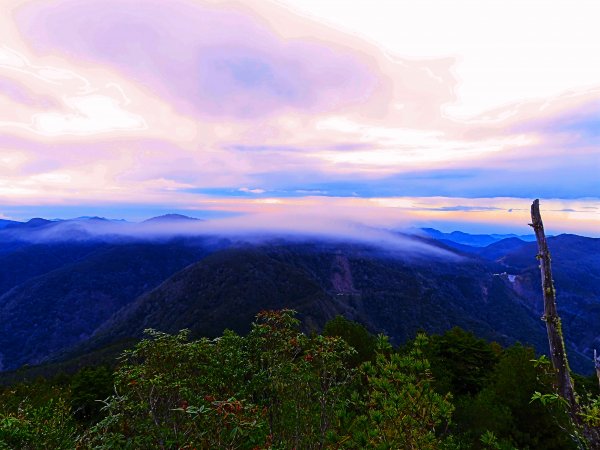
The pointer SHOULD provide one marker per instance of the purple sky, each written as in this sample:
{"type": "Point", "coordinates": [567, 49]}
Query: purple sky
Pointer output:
{"type": "Point", "coordinates": [401, 114]}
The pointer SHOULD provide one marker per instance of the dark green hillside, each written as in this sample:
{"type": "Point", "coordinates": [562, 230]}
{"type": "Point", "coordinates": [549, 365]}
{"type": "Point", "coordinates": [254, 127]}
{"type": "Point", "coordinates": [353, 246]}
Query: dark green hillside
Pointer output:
{"type": "Point", "coordinates": [392, 295]}
{"type": "Point", "coordinates": [576, 272]}
{"type": "Point", "coordinates": [56, 310]}
{"type": "Point", "coordinates": [24, 261]}
{"type": "Point", "coordinates": [501, 248]}
{"type": "Point", "coordinates": [104, 356]}
{"type": "Point", "coordinates": [400, 294]}
{"type": "Point", "coordinates": [394, 291]}
{"type": "Point", "coordinates": [224, 290]}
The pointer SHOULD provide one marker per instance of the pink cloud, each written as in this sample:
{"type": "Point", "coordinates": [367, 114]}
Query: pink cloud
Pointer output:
{"type": "Point", "coordinates": [19, 93]}
{"type": "Point", "coordinates": [224, 60]}
{"type": "Point", "coordinates": [205, 59]}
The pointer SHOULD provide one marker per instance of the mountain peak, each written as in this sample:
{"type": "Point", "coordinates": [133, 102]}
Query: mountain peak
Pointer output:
{"type": "Point", "coordinates": [171, 218]}
{"type": "Point", "coordinates": [32, 223]}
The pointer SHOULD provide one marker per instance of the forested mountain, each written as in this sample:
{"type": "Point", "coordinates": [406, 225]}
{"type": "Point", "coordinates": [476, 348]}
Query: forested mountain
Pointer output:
{"type": "Point", "coordinates": [576, 272]}
{"type": "Point", "coordinates": [62, 297]}
{"type": "Point", "coordinates": [388, 294]}
{"type": "Point", "coordinates": [48, 313]}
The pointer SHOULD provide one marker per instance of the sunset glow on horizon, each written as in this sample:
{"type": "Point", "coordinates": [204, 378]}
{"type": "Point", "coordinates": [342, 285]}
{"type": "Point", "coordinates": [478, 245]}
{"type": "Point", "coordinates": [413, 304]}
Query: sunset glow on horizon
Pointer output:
{"type": "Point", "coordinates": [395, 114]}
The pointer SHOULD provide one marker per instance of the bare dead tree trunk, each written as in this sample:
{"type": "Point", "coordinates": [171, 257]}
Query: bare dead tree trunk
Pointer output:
{"type": "Point", "coordinates": [556, 341]}
{"type": "Point", "coordinates": [553, 325]}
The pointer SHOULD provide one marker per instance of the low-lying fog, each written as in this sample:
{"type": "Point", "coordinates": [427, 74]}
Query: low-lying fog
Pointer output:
{"type": "Point", "coordinates": [255, 228]}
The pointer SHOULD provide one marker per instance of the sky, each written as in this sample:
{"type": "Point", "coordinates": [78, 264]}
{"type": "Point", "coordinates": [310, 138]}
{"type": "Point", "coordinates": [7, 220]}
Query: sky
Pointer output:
{"type": "Point", "coordinates": [389, 113]}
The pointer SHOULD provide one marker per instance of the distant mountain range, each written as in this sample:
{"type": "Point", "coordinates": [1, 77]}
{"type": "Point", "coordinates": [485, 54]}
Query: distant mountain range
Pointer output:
{"type": "Point", "coordinates": [4, 223]}
{"type": "Point", "coordinates": [72, 287]}
{"type": "Point", "coordinates": [171, 218]}
{"type": "Point", "coordinates": [474, 240]}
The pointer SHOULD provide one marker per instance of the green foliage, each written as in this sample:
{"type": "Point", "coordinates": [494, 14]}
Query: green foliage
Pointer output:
{"type": "Point", "coordinates": [355, 335]}
{"type": "Point", "coordinates": [462, 363]}
{"type": "Point", "coordinates": [275, 387]}
{"type": "Point", "coordinates": [587, 397]}
{"type": "Point", "coordinates": [157, 384]}
{"type": "Point", "coordinates": [504, 407]}
{"type": "Point", "coordinates": [279, 388]}
{"type": "Point", "coordinates": [45, 426]}
{"type": "Point", "coordinates": [88, 387]}
{"type": "Point", "coordinates": [400, 408]}
{"type": "Point", "coordinates": [547, 399]}
{"type": "Point", "coordinates": [590, 411]}
{"type": "Point", "coordinates": [301, 381]}
{"type": "Point", "coordinates": [492, 389]}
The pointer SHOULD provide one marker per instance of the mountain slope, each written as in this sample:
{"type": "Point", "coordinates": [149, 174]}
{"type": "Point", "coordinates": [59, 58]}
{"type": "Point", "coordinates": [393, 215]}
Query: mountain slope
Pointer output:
{"type": "Point", "coordinates": [168, 218]}
{"type": "Point", "coordinates": [224, 290]}
{"type": "Point", "coordinates": [576, 273]}
{"type": "Point", "coordinates": [392, 295]}
{"type": "Point", "coordinates": [499, 249]}
{"type": "Point", "coordinates": [56, 310]}
{"type": "Point", "coordinates": [400, 295]}
{"type": "Point", "coordinates": [24, 261]}
{"type": "Point", "coordinates": [94, 296]}
{"type": "Point", "coordinates": [474, 240]}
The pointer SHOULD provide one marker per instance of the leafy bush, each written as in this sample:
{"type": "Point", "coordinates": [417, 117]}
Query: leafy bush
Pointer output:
{"type": "Point", "coordinates": [47, 426]}
{"type": "Point", "coordinates": [279, 388]}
